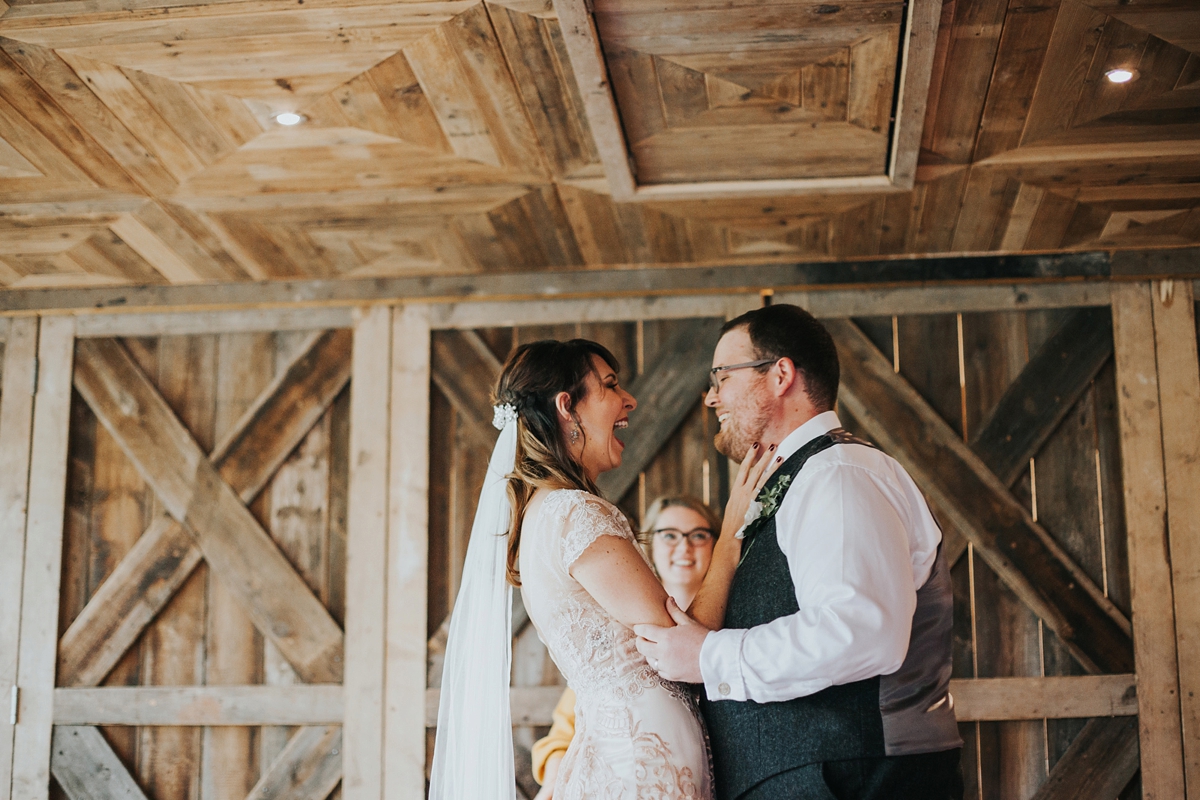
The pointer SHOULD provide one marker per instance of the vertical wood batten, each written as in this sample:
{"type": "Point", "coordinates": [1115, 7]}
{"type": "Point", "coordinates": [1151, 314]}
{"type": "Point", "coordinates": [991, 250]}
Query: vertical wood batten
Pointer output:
{"type": "Point", "coordinates": [43, 560]}
{"type": "Point", "coordinates": [366, 556]}
{"type": "Point", "coordinates": [1179, 396]}
{"type": "Point", "coordinates": [408, 536]}
{"type": "Point", "coordinates": [16, 431]}
{"type": "Point", "coordinates": [1150, 571]}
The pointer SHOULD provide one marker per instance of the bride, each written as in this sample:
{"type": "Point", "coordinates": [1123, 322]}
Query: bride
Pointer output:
{"type": "Point", "coordinates": [542, 525]}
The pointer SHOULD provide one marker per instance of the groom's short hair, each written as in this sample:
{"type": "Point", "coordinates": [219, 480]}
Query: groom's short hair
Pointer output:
{"type": "Point", "coordinates": [787, 331]}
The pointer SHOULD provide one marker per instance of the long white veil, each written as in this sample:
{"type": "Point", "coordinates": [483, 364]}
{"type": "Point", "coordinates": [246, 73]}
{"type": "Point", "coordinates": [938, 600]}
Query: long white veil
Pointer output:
{"type": "Point", "coordinates": [473, 753]}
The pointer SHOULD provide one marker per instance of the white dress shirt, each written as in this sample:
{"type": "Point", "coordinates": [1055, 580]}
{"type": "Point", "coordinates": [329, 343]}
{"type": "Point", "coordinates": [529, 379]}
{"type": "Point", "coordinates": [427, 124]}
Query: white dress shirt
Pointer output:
{"type": "Point", "coordinates": [859, 542]}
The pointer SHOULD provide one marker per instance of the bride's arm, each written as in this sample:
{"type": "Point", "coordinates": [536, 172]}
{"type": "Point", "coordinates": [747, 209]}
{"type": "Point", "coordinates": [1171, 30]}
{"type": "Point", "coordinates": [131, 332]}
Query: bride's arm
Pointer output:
{"type": "Point", "coordinates": [615, 574]}
{"type": "Point", "coordinates": [709, 606]}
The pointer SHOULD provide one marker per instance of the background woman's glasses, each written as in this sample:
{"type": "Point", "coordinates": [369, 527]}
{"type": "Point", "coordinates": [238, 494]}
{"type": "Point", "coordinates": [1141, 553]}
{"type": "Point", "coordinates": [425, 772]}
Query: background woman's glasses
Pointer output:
{"type": "Point", "coordinates": [696, 536]}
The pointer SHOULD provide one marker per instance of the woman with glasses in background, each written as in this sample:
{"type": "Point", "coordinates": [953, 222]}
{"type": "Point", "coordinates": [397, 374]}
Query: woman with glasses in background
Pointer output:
{"type": "Point", "coordinates": [678, 534]}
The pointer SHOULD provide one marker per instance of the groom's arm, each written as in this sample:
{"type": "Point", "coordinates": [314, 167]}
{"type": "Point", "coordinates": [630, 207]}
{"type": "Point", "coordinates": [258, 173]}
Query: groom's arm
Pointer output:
{"type": "Point", "coordinates": [844, 531]}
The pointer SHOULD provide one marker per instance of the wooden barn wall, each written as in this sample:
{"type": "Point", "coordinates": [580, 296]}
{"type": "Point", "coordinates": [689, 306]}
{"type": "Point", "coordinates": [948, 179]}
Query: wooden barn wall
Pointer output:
{"type": "Point", "coordinates": [203, 636]}
{"type": "Point", "coordinates": [1092, 484]}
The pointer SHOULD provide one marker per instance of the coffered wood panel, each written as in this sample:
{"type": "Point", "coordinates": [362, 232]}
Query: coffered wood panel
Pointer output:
{"type": "Point", "coordinates": [138, 143]}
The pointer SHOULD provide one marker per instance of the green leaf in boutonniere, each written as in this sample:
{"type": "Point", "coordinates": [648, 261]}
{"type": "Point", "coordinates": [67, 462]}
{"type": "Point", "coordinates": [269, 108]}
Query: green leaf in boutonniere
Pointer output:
{"type": "Point", "coordinates": [772, 496]}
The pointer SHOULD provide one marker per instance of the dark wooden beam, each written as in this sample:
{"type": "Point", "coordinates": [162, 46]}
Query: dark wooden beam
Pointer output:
{"type": "Point", "coordinates": [578, 283]}
{"type": "Point", "coordinates": [1044, 393]}
{"type": "Point", "coordinates": [1100, 762]}
{"type": "Point", "coordinates": [465, 370]}
{"type": "Point", "coordinates": [980, 506]}
{"type": "Point", "coordinates": [666, 393]}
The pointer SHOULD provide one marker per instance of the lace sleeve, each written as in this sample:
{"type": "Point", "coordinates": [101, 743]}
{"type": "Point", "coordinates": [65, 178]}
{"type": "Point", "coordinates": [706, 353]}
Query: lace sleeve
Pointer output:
{"type": "Point", "coordinates": [584, 519]}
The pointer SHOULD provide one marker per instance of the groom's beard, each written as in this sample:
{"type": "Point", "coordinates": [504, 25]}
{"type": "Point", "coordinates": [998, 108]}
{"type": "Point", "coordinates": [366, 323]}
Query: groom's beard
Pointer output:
{"type": "Point", "coordinates": [744, 427]}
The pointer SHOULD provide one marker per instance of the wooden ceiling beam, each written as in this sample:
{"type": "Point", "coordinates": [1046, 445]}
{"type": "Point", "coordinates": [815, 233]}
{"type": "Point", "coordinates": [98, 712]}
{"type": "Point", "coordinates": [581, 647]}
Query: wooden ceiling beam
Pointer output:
{"type": "Point", "coordinates": [564, 284]}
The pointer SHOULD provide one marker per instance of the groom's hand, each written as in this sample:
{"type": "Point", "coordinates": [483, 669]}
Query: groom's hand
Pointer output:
{"type": "Point", "coordinates": [673, 652]}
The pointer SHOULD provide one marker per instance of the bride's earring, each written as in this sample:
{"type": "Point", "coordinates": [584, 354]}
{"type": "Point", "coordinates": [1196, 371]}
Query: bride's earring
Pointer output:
{"type": "Point", "coordinates": [574, 432]}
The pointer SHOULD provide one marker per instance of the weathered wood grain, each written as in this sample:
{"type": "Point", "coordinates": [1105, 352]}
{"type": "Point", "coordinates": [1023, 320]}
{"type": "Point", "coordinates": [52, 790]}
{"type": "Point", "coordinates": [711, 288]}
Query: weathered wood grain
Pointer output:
{"type": "Point", "coordinates": [86, 767]}
{"type": "Point", "coordinates": [232, 646]}
{"type": "Point", "coordinates": [671, 386]}
{"type": "Point", "coordinates": [465, 370]}
{"type": "Point", "coordinates": [221, 706]}
{"type": "Point", "coordinates": [1028, 560]}
{"type": "Point", "coordinates": [165, 555]}
{"type": "Point", "coordinates": [366, 555]}
{"type": "Point", "coordinates": [407, 547]}
{"type": "Point", "coordinates": [196, 495]}
{"type": "Point", "coordinates": [1144, 486]}
{"type": "Point", "coordinates": [1179, 394]}
{"type": "Point", "coordinates": [310, 766]}
{"type": "Point", "coordinates": [16, 435]}
{"type": "Point", "coordinates": [1036, 402]}
{"type": "Point", "coordinates": [1037, 698]}
{"type": "Point", "coordinates": [43, 560]}
{"type": "Point", "coordinates": [1100, 762]}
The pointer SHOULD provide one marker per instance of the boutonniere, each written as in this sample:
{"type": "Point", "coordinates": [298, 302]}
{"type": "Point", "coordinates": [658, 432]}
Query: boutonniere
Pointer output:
{"type": "Point", "coordinates": [765, 505]}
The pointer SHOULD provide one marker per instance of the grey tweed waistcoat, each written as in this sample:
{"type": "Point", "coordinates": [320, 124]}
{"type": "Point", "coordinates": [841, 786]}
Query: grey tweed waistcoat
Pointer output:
{"type": "Point", "coordinates": [897, 714]}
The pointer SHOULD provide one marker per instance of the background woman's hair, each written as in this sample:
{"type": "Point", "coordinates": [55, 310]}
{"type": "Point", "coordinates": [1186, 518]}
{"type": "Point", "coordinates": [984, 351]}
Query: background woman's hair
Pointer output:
{"type": "Point", "coordinates": [650, 519]}
{"type": "Point", "coordinates": [533, 376]}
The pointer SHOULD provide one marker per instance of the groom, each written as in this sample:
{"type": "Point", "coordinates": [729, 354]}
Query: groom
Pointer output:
{"type": "Point", "coordinates": [829, 678]}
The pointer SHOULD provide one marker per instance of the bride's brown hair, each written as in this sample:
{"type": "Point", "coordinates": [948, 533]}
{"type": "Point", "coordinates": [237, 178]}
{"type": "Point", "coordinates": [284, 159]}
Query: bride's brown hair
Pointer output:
{"type": "Point", "coordinates": [532, 378]}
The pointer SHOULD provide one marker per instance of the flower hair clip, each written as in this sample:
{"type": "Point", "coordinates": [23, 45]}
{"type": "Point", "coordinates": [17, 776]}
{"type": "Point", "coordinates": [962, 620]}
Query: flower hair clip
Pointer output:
{"type": "Point", "coordinates": [502, 415]}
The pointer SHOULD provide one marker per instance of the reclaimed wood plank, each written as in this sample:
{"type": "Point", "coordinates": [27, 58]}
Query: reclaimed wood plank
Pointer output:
{"type": "Point", "coordinates": [220, 706]}
{"type": "Point", "coordinates": [182, 323]}
{"type": "Point", "coordinates": [172, 646]}
{"type": "Point", "coordinates": [366, 555]}
{"type": "Point", "coordinates": [43, 560]}
{"type": "Point", "coordinates": [1100, 762]}
{"type": "Point", "coordinates": [1179, 398]}
{"type": "Point", "coordinates": [465, 370]}
{"type": "Point", "coordinates": [16, 435]}
{"type": "Point", "coordinates": [196, 495]}
{"type": "Point", "coordinates": [1038, 698]}
{"type": "Point", "coordinates": [87, 768]}
{"type": "Point", "coordinates": [1020, 551]}
{"type": "Point", "coordinates": [165, 555]}
{"type": "Point", "coordinates": [671, 386]}
{"type": "Point", "coordinates": [309, 767]}
{"type": "Point", "coordinates": [1154, 641]}
{"type": "Point", "coordinates": [408, 536]}
{"type": "Point", "coordinates": [1007, 635]}
{"type": "Point", "coordinates": [1042, 395]}
{"type": "Point", "coordinates": [573, 284]}
{"type": "Point", "coordinates": [229, 764]}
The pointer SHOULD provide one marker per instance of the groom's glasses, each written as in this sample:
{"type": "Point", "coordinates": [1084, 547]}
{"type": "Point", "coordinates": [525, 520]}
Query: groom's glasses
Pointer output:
{"type": "Point", "coordinates": [714, 378]}
{"type": "Point", "coordinates": [697, 537]}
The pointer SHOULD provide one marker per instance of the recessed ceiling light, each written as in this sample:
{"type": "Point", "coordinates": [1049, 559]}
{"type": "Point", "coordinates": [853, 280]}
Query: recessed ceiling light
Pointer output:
{"type": "Point", "coordinates": [1120, 75]}
{"type": "Point", "coordinates": [290, 118]}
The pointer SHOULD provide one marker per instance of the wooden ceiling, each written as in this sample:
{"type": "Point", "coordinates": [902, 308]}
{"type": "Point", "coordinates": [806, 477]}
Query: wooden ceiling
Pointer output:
{"type": "Point", "coordinates": [138, 145]}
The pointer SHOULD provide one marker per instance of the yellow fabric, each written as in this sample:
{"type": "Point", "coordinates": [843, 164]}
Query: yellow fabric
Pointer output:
{"type": "Point", "coordinates": [562, 731]}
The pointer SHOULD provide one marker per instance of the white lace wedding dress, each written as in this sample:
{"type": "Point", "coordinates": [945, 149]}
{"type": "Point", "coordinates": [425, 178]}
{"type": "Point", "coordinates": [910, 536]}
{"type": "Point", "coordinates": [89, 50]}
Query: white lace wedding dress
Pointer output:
{"type": "Point", "coordinates": [636, 736]}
